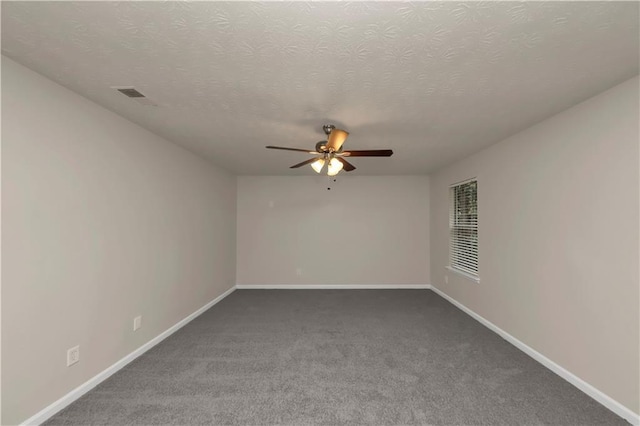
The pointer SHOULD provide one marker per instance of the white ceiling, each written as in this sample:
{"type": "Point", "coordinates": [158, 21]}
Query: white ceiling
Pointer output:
{"type": "Point", "coordinates": [434, 81]}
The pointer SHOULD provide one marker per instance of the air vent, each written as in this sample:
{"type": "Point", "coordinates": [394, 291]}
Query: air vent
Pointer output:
{"type": "Point", "coordinates": [130, 92]}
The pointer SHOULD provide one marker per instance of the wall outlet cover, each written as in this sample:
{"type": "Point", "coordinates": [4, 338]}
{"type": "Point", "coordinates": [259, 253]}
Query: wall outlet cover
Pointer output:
{"type": "Point", "coordinates": [73, 355]}
{"type": "Point", "coordinates": [137, 322]}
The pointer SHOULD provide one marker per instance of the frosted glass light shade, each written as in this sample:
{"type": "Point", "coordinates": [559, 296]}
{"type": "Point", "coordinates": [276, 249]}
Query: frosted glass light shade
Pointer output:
{"type": "Point", "coordinates": [334, 167]}
{"type": "Point", "coordinates": [318, 165]}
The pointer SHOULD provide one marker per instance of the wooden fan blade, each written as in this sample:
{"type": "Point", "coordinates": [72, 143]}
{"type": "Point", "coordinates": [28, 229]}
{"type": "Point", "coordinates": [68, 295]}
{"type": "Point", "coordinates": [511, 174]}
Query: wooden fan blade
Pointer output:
{"type": "Point", "coordinates": [336, 139]}
{"type": "Point", "coordinates": [291, 149]}
{"type": "Point", "coordinates": [369, 153]}
{"type": "Point", "coordinates": [347, 165]}
{"type": "Point", "coordinates": [304, 163]}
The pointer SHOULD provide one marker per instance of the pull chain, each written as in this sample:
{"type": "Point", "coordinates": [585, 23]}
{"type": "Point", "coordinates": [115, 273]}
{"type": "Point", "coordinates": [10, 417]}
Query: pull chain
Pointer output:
{"type": "Point", "coordinates": [330, 179]}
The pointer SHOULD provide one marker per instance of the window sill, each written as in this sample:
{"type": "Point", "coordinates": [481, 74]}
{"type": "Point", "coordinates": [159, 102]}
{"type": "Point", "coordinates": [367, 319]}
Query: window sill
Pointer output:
{"type": "Point", "coordinates": [464, 274]}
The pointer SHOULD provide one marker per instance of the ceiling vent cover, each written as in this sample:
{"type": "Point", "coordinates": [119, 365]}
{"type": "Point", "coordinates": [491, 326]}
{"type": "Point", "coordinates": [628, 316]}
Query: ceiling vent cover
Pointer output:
{"type": "Point", "coordinates": [130, 92]}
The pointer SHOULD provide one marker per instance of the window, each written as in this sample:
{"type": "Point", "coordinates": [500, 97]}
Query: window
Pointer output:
{"type": "Point", "coordinates": [463, 228]}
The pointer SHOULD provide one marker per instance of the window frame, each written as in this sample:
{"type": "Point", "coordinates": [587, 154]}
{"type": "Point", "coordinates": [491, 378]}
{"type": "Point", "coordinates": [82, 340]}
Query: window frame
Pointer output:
{"type": "Point", "coordinates": [453, 200]}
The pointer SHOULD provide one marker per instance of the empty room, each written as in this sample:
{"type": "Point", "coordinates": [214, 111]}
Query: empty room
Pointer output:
{"type": "Point", "coordinates": [270, 213]}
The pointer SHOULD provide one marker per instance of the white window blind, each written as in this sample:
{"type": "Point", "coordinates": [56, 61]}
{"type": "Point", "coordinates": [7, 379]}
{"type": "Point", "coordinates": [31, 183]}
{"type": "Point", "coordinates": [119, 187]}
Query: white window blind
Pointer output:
{"type": "Point", "coordinates": [463, 227]}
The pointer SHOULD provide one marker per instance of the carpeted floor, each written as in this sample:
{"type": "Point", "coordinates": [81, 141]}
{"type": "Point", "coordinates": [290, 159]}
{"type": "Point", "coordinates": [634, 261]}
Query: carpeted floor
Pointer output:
{"type": "Point", "coordinates": [378, 357]}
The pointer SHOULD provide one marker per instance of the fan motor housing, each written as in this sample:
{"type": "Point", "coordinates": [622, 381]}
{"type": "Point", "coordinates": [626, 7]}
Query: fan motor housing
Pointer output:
{"type": "Point", "coordinates": [321, 147]}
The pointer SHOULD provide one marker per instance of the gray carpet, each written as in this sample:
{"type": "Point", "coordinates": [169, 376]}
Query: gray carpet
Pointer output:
{"type": "Point", "coordinates": [334, 357]}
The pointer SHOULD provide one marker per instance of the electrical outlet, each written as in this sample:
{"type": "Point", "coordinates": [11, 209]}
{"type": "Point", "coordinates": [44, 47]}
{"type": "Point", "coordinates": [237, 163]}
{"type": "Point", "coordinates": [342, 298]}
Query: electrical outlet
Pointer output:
{"type": "Point", "coordinates": [299, 272]}
{"type": "Point", "coordinates": [446, 279]}
{"type": "Point", "coordinates": [73, 355]}
{"type": "Point", "coordinates": [137, 322]}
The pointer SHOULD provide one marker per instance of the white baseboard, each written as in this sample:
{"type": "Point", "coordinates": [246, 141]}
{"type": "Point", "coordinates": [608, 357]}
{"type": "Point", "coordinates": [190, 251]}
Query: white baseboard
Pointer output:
{"type": "Point", "coordinates": [331, 286]}
{"type": "Point", "coordinates": [72, 396]}
{"type": "Point", "coordinates": [585, 387]}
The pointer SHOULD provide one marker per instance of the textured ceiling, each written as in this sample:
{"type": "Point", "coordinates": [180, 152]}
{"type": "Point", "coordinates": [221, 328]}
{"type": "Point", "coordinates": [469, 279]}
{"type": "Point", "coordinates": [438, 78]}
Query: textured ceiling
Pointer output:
{"type": "Point", "coordinates": [434, 81]}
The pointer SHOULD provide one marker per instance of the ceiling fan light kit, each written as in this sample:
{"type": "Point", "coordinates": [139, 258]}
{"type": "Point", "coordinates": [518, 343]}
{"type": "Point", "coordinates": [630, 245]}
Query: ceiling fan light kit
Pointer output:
{"type": "Point", "coordinates": [332, 154]}
{"type": "Point", "coordinates": [334, 167]}
{"type": "Point", "coordinates": [318, 165]}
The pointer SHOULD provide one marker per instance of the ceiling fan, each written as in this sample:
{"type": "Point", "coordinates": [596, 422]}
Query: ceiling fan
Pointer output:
{"type": "Point", "coordinates": [330, 152]}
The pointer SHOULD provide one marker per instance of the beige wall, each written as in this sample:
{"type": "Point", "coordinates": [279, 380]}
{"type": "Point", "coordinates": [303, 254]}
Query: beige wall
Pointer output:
{"type": "Point", "coordinates": [102, 221]}
{"type": "Point", "coordinates": [365, 230]}
{"type": "Point", "coordinates": [558, 215]}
